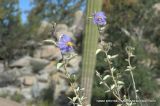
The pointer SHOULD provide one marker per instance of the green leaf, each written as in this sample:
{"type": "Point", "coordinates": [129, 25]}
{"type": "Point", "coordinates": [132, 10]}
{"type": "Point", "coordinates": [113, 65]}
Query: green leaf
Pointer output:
{"type": "Point", "coordinates": [49, 41]}
{"type": "Point", "coordinates": [119, 104]}
{"type": "Point", "coordinates": [97, 73]}
{"type": "Point", "coordinates": [105, 77]}
{"type": "Point", "coordinates": [101, 82]}
{"type": "Point", "coordinates": [69, 98]}
{"type": "Point", "coordinates": [114, 56]}
{"type": "Point", "coordinates": [59, 65]}
{"type": "Point", "coordinates": [107, 91]}
{"type": "Point", "coordinates": [77, 89]}
{"type": "Point", "coordinates": [82, 89]}
{"type": "Point", "coordinates": [109, 56]}
{"type": "Point", "coordinates": [127, 70]}
{"type": "Point", "coordinates": [74, 99]}
{"type": "Point", "coordinates": [98, 50]}
{"type": "Point", "coordinates": [82, 98]}
{"type": "Point", "coordinates": [112, 87]}
{"type": "Point", "coordinates": [113, 69]}
{"type": "Point", "coordinates": [120, 82]}
{"type": "Point", "coordinates": [120, 87]}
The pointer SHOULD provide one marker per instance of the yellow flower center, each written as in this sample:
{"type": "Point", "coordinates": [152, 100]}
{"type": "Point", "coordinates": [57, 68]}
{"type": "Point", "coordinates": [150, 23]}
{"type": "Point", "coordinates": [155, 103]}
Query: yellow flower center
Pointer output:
{"type": "Point", "coordinates": [69, 44]}
{"type": "Point", "coordinates": [99, 18]}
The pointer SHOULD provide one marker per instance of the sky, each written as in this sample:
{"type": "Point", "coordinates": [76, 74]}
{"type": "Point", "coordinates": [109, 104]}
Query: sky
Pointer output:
{"type": "Point", "coordinates": [24, 6]}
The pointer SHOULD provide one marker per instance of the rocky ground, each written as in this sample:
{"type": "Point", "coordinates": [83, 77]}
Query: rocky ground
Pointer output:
{"type": "Point", "coordinates": [29, 76]}
{"type": "Point", "coordinates": [26, 78]}
{"type": "Point", "coordinates": [6, 102]}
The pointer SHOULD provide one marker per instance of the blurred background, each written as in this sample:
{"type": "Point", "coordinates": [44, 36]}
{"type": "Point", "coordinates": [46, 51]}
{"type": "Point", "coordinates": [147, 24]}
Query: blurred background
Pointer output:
{"type": "Point", "coordinates": [28, 73]}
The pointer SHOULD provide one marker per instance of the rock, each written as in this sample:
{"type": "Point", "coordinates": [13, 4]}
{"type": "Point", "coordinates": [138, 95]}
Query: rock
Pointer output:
{"type": "Point", "coordinates": [26, 93]}
{"type": "Point", "coordinates": [69, 69]}
{"type": "Point", "coordinates": [30, 43]}
{"type": "Point", "coordinates": [156, 7]}
{"type": "Point", "coordinates": [48, 52]}
{"type": "Point", "coordinates": [50, 68]}
{"type": "Point", "coordinates": [9, 90]}
{"type": "Point", "coordinates": [27, 64]}
{"type": "Point", "coordinates": [78, 18]}
{"type": "Point", "coordinates": [29, 80]}
{"type": "Point", "coordinates": [157, 92]}
{"type": "Point", "coordinates": [37, 89]}
{"type": "Point", "coordinates": [7, 102]}
{"type": "Point", "coordinates": [59, 84]}
{"type": "Point", "coordinates": [158, 81]}
{"type": "Point", "coordinates": [73, 66]}
{"type": "Point", "coordinates": [27, 70]}
{"type": "Point", "coordinates": [45, 28]}
{"type": "Point", "coordinates": [61, 27]}
{"type": "Point", "coordinates": [22, 62]}
{"type": "Point", "coordinates": [15, 76]}
{"type": "Point", "coordinates": [78, 24]}
{"type": "Point", "coordinates": [8, 78]}
{"type": "Point", "coordinates": [150, 48]}
{"type": "Point", "coordinates": [74, 63]}
{"type": "Point", "coordinates": [60, 33]}
{"type": "Point", "coordinates": [1, 67]}
{"type": "Point", "coordinates": [63, 100]}
{"type": "Point", "coordinates": [43, 77]}
{"type": "Point", "coordinates": [38, 64]}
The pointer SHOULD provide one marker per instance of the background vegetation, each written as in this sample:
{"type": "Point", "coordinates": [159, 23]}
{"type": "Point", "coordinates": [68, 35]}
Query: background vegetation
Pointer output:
{"type": "Point", "coordinates": [130, 22]}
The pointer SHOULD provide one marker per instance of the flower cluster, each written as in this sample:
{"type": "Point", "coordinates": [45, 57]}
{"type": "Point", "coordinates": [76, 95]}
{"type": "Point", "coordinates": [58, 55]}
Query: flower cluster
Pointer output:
{"type": "Point", "coordinates": [99, 18]}
{"type": "Point", "coordinates": [65, 44]}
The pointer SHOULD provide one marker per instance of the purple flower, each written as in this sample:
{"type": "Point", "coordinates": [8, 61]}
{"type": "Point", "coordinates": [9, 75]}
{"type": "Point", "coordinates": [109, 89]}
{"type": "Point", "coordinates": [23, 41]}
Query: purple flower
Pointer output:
{"type": "Point", "coordinates": [99, 18]}
{"type": "Point", "coordinates": [65, 44]}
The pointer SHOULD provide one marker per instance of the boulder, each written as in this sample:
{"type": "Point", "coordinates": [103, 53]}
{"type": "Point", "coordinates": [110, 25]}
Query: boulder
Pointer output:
{"type": "Point", "coordinates": [26, 93]}
{"type": "Point", "coordinates": [9, 90]}
{"type": "Point", "coordinates": [43, 77]}
{"type": "Point", "coordinates": [61, 27]}
{"type": "Point", "coordinates": [59, 84]}
{"type": "Point", "coordinates": [150, 47]}
{"type": "Point", "coordinates": [8, 78]}
{"type": "Point", "coordinates": [38, 64]}
{"type": "Point", "coordinates": [78, 24]}
{"type": "Point", "coordinates": [74, 63]}
{"type": "Point", "coordinates": [156, 7]}
{"type": "Point", "coordinates": [22, 62]}
{"type": "Point", "coordinates": [73, 66]}
{"type": "Point", "coordinates": [29, 80]}
{"type": "Point", "coordinates": [45, 27]}
{"type": "Point", "coordinates": [48, 52]}
{"type": "Point", "coordinates": [60, 33]}
{"type": "Point", "coordinates": [38, 88]}
{"type": "Point", "coordinates": [27, 70]}
{"type": "Point", "coordinates": [50, 68]}
{"type": "Point", "coordinates": [1, 67]}
{"type": "Point", "coordinates": [158, 81]}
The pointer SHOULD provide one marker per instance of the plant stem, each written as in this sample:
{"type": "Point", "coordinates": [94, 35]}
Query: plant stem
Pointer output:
{"type": "Point", "coordinates": [112, 75]}
{"type": "Point", "coordinates": [105, 84]}
{"type": "Point", "coordinates": [72, 84]}
{"type": "Point", "coordinates": [131, 73]}
{"type": "Point", "coordinates": [90, 43]}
